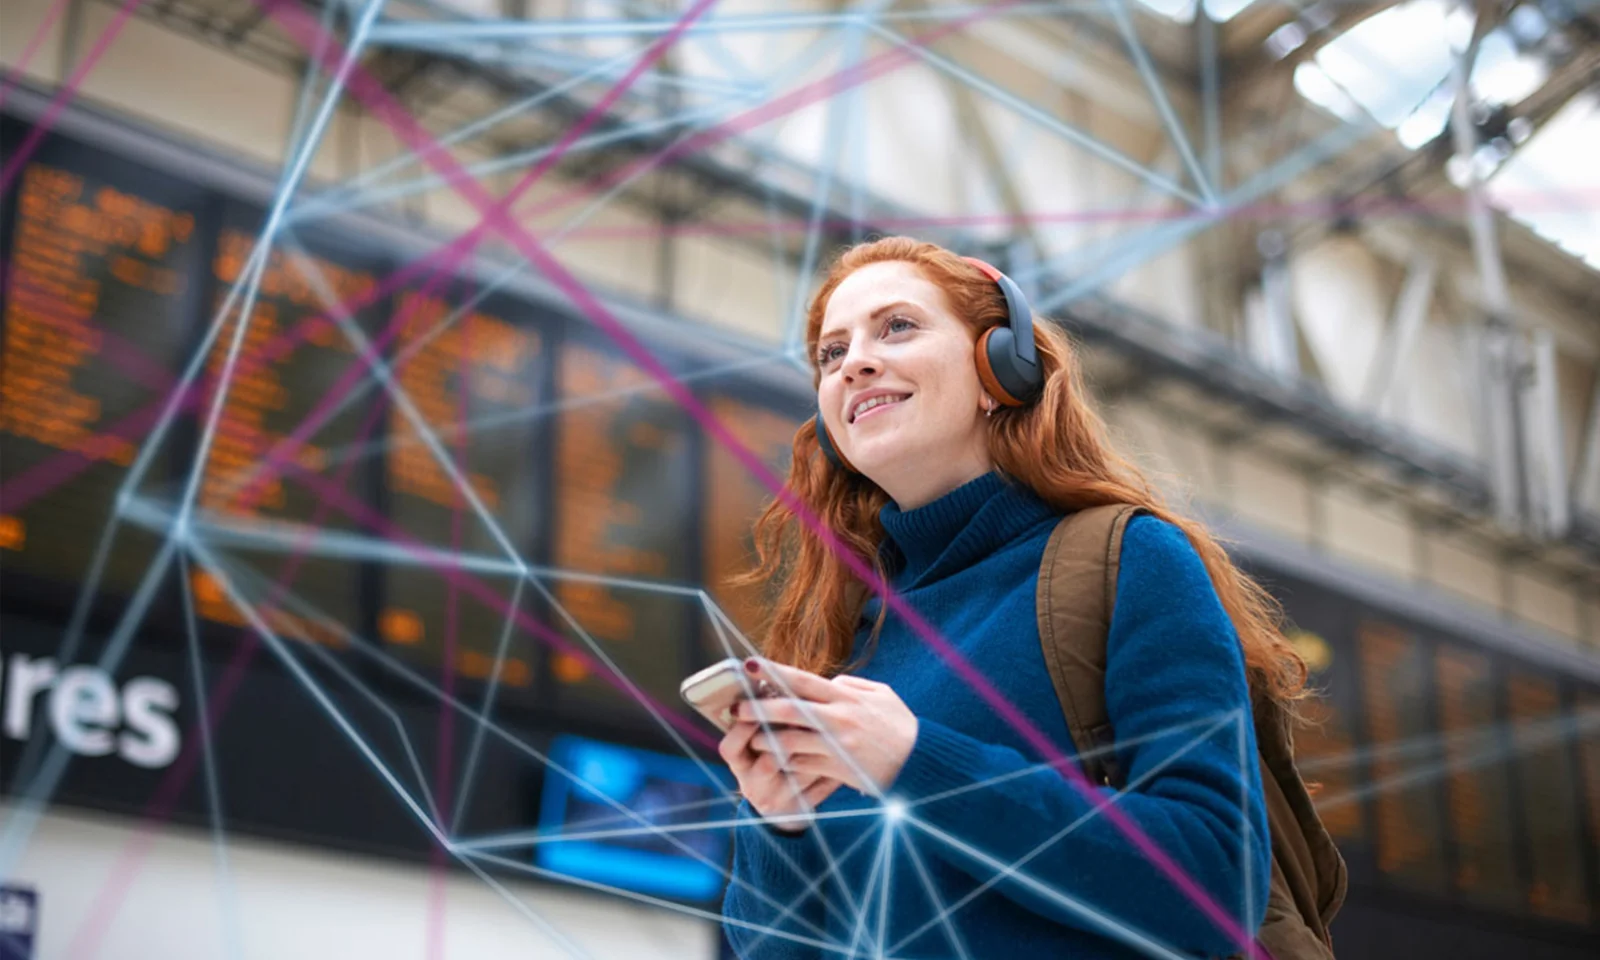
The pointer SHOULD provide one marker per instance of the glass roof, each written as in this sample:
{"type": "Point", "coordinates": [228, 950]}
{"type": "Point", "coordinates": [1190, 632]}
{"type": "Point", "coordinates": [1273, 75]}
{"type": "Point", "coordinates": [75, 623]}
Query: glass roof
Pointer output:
{"type": "Point", "coordinates": [1395, 67]}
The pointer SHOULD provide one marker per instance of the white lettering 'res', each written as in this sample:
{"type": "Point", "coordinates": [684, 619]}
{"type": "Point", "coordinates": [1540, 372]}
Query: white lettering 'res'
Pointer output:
{"type": "Point", "coordinates": [151, 736]}
{"type": "Point", "coordinates": [24, 681]}
{"type": "Point", "coordinates": [88, 714]}
{"type": "Point", "coordinates": [83, 711]}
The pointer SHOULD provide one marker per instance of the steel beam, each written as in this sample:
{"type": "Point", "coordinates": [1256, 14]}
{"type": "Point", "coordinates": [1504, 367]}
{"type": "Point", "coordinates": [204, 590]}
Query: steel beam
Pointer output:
{"type": "Point", "coordinates": [1419, 173]}
{"type": "Point", "coordinates": [1549, 497]}
{"type": "Point", "coordinates": [1405, 322]}
{"type": "Point", "coordinates": [1586, 481]}
{"type": "Point", "coordinates": [1270, 331]}
{"type": "Point", "coordinates": [1501, 354]}
{"type": "Point", "coordinates": [976, 123]}
{"type": "Point", "coordinates": [71, 40]}
{"type": "Point", "coordinates": [1210, 96]}
{"type": "Point", "coordinates": [1213, 365]}
{"type": "Point", "coordinates": [1149, 244]}
{"type": "Point", "coordinates": [1141, 60]}
{"type": "Point", "coordinates": [1023, 107]}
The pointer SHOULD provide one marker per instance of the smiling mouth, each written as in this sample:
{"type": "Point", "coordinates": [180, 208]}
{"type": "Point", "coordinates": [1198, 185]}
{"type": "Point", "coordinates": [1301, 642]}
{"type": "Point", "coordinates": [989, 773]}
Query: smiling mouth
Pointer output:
{"type": "Point", "coordinates": [885, 400]}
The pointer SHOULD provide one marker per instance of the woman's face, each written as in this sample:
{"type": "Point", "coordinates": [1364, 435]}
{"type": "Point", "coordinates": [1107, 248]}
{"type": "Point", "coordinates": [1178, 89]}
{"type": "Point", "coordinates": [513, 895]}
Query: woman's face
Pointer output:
{"type": "Point", "coordinates": [898, 389]}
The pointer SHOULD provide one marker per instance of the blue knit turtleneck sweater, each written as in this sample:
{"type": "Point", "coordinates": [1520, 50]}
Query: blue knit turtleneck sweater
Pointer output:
{"type": "Point", "coordinates": [936, 882]}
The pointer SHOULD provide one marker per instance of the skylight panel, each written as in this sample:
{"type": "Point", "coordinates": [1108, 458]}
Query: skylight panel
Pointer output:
{"type": "Point", "coordinates": [1390, 62]}
{"type": "Point", "coordinates": [1548, 183]}
{"type": "Point", "coordinates": [1396, 67]}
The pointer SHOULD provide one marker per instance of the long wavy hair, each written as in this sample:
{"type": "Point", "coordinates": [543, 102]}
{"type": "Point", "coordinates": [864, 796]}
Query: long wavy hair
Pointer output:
{"type": "Point", "coordinates": [1058, 447]}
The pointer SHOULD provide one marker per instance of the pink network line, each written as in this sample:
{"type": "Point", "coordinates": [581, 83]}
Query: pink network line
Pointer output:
{"type": "Point", "coordinates": [1527, 201]}
{"type": "Point", "coordinates": [407, 127]}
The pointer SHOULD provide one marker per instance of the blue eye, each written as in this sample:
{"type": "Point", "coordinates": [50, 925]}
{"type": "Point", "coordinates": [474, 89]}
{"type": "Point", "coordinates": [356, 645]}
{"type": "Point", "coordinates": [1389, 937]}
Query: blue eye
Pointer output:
{"type": "Point", "coordinates": [829, 353]}
{"type": "Point", "coordinates": [897, 324]}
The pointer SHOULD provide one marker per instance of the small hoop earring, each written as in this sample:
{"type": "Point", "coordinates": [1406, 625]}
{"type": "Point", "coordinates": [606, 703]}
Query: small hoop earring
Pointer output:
{"type": "Point", "coordinates": [988, 411]}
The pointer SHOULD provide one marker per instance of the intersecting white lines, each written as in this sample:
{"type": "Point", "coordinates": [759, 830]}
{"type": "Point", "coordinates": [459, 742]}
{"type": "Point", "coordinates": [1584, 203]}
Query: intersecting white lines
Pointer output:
{"type": "Point", "coordinates": [230, 575]}
{"type": "Point", "coordinates": [214, 541]}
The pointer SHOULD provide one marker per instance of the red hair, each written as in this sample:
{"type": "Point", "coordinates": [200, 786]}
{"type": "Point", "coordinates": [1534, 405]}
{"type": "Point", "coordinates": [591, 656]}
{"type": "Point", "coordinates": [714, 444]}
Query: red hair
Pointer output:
{"type": "Point", "coordinates": [1058, 447]}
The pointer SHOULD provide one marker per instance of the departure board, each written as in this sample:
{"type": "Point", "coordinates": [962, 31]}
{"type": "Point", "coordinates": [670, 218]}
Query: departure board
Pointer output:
{"type": "Point", "coordinates": [1478, 779]}
{"type": "Point", "coordinates": [733, 500]}
{"type": "Point", "coordinates": [624, 496]}
{"type": "Point", "coordinates": [100, 294]}
{"type": "Point", "coordinates": [1547, 787]}
{"type": "Point", "coordinates": [1394, 683]}
{"type": "Point", "coordinates": [293, 354]}
{"type": "Point", "coordinates": [1325, 749]}
{"type": "Point", "coordinates": [1586, 716]}
{"type": "Point", "coordinates": [472, 376]}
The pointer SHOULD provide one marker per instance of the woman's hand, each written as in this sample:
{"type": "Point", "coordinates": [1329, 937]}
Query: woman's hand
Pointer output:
{"type": "Point", "coordinates": [771, 790]}
{"type": "Point", "coordinates": [845, 730]}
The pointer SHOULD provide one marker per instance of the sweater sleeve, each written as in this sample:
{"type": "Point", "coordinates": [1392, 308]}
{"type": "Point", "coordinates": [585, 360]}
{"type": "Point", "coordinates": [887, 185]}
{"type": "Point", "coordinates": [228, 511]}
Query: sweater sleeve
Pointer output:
{"type": "Point", "coordinates": [1178, 700]}
{"type": "Point", "coordinates": [773, 907]}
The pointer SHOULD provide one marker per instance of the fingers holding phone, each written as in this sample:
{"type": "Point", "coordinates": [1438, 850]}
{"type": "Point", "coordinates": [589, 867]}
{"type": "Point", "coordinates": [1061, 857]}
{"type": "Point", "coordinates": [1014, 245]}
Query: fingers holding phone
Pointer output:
{"type": "Point", "coordinates": [764, 780]}
{"type": "Point", "coordinates": [857, 732]}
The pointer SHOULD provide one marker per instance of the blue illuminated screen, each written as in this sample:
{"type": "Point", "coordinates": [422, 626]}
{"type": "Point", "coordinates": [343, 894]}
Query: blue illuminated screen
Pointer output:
{"type": "Point", "coordinates": [617, 850]}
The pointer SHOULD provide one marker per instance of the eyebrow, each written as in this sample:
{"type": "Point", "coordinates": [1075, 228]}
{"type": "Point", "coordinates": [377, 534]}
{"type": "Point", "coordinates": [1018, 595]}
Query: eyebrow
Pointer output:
{"type": "Point", "coordinates": [874, 315]}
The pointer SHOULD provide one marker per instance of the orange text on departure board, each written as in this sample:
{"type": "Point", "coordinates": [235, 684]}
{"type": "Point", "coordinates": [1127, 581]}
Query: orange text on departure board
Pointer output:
{"type": "Point", "coordinates": [64, 232]}
{"type": "Point", "coordinates": [1587, 716]}
{"type": "Point", "coordinates": [1466, 726]}
{"type": "Point", "coordinates": [404, 627]}
{"type": "Point", "coordinates": [235, 480]}
{"type": "Point", "coordinates": [1545, 777]}
{"type": "Point", "coordinates": [1457, 676]}
{"type": "Point", "coordinates": [292, 276]}
{"type": "Point", "coordinates": [1388, 661]}
{"type": "Point", "coordinates": [213, 603]}
{"type": "Point", "coordinates": [486, 356]}
{"type": "Point", "coordinates": [595, 521]}
{"type": "Point", "coordinates": [1326, 752]}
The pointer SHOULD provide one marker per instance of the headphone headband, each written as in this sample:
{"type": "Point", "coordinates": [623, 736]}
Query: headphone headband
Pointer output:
{"type": "Point", "coordinates": [1021, 315]}
{"type": "Point", "coordinates": [989, 269]}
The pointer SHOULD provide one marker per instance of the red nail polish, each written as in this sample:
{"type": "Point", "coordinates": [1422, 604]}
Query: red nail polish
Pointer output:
{"type": "Point", "coordinates": [753, 665]}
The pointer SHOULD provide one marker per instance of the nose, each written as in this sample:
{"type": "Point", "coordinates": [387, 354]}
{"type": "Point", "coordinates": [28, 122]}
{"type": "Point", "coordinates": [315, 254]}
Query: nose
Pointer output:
{"type": "Point", "coordinates": [860, 362]}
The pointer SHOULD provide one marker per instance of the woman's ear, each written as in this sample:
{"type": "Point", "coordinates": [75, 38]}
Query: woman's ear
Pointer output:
{"type": "Point", "coordinates": [989, 403]}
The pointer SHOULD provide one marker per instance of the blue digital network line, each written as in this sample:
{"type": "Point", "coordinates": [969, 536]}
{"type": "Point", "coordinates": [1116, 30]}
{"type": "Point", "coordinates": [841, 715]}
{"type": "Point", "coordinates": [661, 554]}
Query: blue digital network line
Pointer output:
{"type": "Point", "coordinates": [196, 538]}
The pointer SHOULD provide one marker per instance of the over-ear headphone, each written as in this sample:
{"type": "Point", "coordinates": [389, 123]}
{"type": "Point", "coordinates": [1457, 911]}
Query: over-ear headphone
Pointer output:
{"type": "Point", "coordinates": [1008, 363]}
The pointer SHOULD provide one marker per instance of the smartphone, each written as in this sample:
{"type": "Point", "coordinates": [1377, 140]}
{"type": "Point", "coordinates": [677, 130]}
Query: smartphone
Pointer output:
{"type": "Point", "coordinates": [714, 691]}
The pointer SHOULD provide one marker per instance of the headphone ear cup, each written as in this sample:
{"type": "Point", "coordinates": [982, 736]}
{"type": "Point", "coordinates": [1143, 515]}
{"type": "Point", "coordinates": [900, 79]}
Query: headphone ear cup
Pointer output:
{"type": "Point", "coordinates": [829, 451]}
{"type": "Point", "coordinates": [993, 356]}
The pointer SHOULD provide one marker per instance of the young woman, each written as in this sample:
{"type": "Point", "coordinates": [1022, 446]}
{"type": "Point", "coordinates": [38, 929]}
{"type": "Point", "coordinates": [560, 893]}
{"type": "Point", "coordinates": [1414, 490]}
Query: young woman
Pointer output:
{"type": "Point", "coordinates": [894, 812]}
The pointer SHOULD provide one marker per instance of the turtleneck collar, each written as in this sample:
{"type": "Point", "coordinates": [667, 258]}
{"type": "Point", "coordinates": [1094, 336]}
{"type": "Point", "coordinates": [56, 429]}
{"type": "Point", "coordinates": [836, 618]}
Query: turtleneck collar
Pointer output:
{"type": "Point", "coordinates": [960, 528]}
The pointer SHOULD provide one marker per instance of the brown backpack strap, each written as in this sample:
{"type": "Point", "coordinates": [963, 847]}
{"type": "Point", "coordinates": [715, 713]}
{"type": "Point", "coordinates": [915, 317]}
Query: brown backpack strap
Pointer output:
{"type": "Point", "coordinates": [1318, 878]}
{"type": "Point", "coordinates": [1077, 595]}
{"type": "Point", "coordinates": [1077, 592]}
